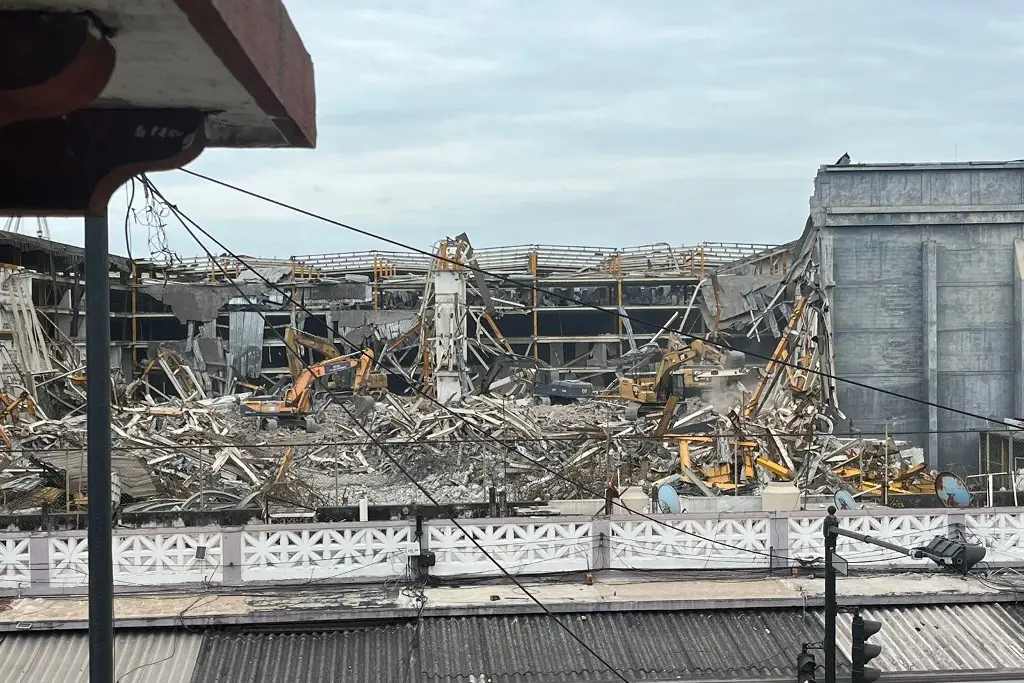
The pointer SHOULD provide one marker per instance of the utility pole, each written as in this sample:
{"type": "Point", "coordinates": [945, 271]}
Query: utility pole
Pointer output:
{"type": "Point", "coordinates": [957, 555]}
{"type": "Point", "coordinates": [831, 605]}
{"type": "Point", "coordinates": [97, 426]}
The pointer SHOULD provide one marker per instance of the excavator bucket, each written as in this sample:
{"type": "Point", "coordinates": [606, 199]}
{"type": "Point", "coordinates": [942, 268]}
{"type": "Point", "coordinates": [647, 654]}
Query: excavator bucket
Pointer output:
{"type": "Point", "coordinates": [362, 405]}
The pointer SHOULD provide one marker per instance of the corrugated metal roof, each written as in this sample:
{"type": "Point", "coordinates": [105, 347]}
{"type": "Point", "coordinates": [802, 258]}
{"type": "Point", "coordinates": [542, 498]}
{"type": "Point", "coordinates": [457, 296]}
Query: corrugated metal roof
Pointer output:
{"type": "Point", "coordinates": [740, 645]}
{"type": "Point", "coordinates": [943, 637]}
{"type": "Point", "coordinates": [642, 646]}
{"type": "Point", "coordinates": [346, 654]}
{"type": "Point", "coordinates": [63, 657]}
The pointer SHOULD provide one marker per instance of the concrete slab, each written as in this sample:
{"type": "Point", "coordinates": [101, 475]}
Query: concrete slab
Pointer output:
{"type": "Point", "coordinates": [243, 62]}
{"type": "Point", "coordinates": [282, 605]}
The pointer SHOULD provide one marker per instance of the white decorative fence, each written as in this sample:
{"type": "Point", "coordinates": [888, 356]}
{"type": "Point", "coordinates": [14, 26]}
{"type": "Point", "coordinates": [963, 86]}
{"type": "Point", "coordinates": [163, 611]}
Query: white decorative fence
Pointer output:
{"type": "Point", "coordinates": [324, 553]}
{"type": "Point", "coordinates": [521, 546]}
{"type": "Point", "coordinates": [687, 543]}
{"type": "Point", "coordinates": [58, 562]}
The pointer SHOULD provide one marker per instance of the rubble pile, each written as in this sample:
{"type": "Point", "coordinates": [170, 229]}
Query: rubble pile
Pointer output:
{"type": "Point", "coordinates": [164, 457]}
{"type": "Point", "coordinates": [528, 449]}
{"type": "Point", "coordinates": [782, 428]}
{"type": "Point", "coordinates": [186, 435]}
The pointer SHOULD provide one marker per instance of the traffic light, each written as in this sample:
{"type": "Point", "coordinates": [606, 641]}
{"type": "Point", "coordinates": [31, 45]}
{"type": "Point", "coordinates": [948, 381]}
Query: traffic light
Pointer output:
{"type": "Point", "coordinates": [805, 667]}
{"type": "Point", "coordinates": [862, 651]}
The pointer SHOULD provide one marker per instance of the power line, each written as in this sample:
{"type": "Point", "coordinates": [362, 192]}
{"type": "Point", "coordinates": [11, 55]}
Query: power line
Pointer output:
{"type": "Point", "coordinates": [182, 218]}
{"type": "Point", "coordinates": [579, 302]}
{"type": "Point", "coordinates": [488, 439]}
{"type": "Point", "coordinates": [398, 465]}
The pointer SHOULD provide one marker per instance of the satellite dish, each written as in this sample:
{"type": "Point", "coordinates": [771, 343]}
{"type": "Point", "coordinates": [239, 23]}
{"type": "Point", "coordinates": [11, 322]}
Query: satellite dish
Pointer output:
{"type": "Point", "coordinates": [668, 500]}
{"type": "Point", "coordinates": [844, 501]}
{"type": "Point", "coordinates": [952, 491]}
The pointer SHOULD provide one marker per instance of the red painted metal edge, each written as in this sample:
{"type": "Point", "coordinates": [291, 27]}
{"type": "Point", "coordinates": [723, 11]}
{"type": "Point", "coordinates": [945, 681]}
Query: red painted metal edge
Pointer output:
{"type": "Point", "coordinates": [260, 46]}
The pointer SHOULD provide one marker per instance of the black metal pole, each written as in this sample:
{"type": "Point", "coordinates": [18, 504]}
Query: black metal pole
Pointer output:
{"type": "Point", "coordinates": [97, 361]}
{"type": "Point", "coordinates": [831, 606]}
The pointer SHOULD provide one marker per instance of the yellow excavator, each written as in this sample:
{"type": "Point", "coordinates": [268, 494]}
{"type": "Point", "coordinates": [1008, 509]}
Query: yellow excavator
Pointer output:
{"type": "Point", "coordinates": [351, 374]}
{"type": "Point", "coordinates": [294, 338]}
{"type": "Point", "coordinates": [648, 394]}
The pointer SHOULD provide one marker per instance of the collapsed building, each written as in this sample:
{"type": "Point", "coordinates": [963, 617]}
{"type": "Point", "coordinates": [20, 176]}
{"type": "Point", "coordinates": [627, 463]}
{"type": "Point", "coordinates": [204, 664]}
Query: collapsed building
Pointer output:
{"type": "Point", "coordinates": [476, 345]}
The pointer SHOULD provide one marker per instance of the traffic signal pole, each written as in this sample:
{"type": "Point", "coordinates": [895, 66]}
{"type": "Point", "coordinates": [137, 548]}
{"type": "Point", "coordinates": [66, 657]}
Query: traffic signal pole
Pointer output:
{"type": "Point", "coordinates": [831, 529]}
{"type": "Point", "coordinates": [957, 555]}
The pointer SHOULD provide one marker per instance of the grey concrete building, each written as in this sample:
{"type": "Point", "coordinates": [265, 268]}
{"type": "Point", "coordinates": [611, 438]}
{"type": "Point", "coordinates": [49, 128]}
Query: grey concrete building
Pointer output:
{"type": "Point", "coordinates": [922, 264]}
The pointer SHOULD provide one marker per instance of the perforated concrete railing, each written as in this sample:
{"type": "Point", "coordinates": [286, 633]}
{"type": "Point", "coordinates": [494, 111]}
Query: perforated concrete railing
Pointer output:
{"type": "Point", "coordinates": [682, 543]}
{"type": "Point", "coordinates": [520, 546]}
{"type": "Point", "coordinates": [58, 562]}
{"type": "Point", "coordinates": [324, 553]}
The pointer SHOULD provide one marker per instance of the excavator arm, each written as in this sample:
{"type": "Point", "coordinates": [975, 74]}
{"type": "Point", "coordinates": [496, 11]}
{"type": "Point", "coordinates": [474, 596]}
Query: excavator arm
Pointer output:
{"type": "Point", "coordinates": [294, 338]}
{"type": "Point", "coordinates": [299, 394]}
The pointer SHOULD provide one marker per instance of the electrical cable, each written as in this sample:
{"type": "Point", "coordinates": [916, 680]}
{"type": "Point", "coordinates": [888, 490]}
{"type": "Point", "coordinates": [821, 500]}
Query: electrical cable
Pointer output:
{"type": "Point", "coordinates": [395, 462]}
{"type": "Point", "coordinates": [411, 442]}
{"type": "Point", "coordinates": [127, 214]}
{"type": "Point", "coordinates": [579, 302]}
{"type": "Point", "coordinates": [182, 218]}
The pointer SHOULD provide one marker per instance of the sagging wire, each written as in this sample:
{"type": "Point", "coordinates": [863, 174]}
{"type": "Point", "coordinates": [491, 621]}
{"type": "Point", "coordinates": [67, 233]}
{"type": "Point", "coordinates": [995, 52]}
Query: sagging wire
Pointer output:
{"type": "Point", "coordinates": [579, 302]}
{"type": "Point", "coordinates": [398, 465]}
{"type": "Point", "coordinates": [182, 218]}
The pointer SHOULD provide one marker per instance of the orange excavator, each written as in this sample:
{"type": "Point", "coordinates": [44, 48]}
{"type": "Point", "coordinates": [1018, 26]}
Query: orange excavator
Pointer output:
{"type": "Point", "coordinates": [350, 374]}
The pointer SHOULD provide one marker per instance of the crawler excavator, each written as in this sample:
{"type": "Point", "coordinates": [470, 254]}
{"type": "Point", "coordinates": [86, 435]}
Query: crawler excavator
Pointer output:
{"type": "Point", "coordinates": [295, 338]}
{"type": "Point", "coordinates": [351, 376]}
{"type": "Point", "coordinates": [649, 394]}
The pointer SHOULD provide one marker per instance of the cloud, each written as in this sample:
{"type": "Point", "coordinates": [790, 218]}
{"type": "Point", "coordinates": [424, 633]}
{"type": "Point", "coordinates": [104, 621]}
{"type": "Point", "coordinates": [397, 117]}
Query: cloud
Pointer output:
{"type": "Point", "coordinates": [595, 120]}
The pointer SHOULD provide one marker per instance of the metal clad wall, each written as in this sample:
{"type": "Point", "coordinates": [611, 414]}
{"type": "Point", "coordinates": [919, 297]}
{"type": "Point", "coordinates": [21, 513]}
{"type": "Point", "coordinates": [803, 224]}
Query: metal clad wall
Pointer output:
{"type": "Point", "coordinates": [913, 246]}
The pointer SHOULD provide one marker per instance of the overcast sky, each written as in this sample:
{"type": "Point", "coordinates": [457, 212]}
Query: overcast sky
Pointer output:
{"type": "Point", "coordinates": [601, 122]}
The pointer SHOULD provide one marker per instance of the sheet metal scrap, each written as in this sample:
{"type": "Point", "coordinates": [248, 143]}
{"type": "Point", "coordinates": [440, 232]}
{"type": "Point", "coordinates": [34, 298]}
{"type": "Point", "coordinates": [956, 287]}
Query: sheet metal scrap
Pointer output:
{"type": "Point", "coordinates": [783, 428]}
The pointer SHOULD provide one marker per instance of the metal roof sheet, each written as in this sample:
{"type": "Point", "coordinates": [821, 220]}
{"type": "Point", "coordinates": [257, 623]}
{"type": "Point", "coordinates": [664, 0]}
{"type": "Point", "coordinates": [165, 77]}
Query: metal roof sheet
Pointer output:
{"type": "Point", "coordinates": [740, 645]}
{"type": "Point", "coordinates": [350, 654]}
{"type": "Point", "coordinates": [63, 657]}
{"type": "Point", "coordinates": [642, 646]}
{"type": "Point", "coordinates": [943, 637]}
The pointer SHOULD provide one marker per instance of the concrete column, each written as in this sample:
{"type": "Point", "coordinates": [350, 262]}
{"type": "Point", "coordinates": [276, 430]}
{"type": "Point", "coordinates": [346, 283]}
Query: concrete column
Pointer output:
{"type": "Point", "coordinates": [600, 544]}
{"type": "Point", "coordinates": [1018, 328]}
{"type": "Point", "coordinates": [39, 561]}
{"type": "Point", "coordinates": [778, 540]}
{"type": "Point", "coordinates": [232, 557]}
{"type": "Point", "coordinates": [956, 524]}
{"type": "Point", "coordinates": [931, 352]}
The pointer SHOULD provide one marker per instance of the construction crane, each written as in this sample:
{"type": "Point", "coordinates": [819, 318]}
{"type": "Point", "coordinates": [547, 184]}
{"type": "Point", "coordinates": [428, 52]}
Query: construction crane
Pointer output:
{"type": "Point", "coordinates": [352, 375]}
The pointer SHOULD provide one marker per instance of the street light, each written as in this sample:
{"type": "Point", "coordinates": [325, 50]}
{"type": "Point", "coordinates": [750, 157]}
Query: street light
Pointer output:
{"type": "Point", "coordinates": [956, 555]}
